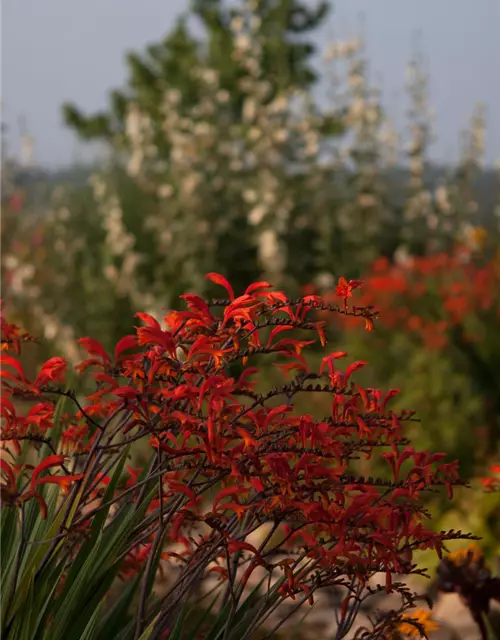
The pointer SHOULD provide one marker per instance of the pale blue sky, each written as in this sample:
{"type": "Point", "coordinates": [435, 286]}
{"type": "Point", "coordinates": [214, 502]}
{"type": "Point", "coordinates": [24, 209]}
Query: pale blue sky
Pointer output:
{"type": "Point", "coordinates": [63, 50]}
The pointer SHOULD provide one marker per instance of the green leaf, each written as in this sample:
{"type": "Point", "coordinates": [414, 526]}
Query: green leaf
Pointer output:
{"type": "Point", "coordinates": [95, 568]}
{"type": "Point", "coordinates": [98, 524]}
{"type": "Point", "coordinates": [46, 598]}
{"type": "Point", "coordinates": [90, 629]}
{"type": "Point", "coordinates": [203, 618]}
{"type": "Point", "coordinates": [33, 561]}
{"type": "Point", "coordinates": [117, 617]}
{"type": "Point", "coordinates": [154, 567]}
{"type": "Point", "coordinates": [72, 597]}
{"type": "Point", "coordinates": [147, 632]}
{"type": "Point", "coordinates": [36, 528]}
{"type": "Point", "coordinates": [100, 518]}
{"type": "Point", "coordinates": [10, 539]}
{"type": "Point", "coordinates": [176, 632]}
{"type": "Point", "coordinates": [238, 619]}
{"type": "Point", "coordinates": [21, 626]}
{"type": "Point", "coordinates": [491, 635]}
{"type": "Point", "coordinates": [56, 430]}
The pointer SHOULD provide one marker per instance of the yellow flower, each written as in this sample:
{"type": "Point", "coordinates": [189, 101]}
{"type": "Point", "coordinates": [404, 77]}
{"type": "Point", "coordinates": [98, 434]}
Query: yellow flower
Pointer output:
{"type": "Point", "coordinates": [421, 617]}
{"type": "Point", "coordinates": [476, 237]}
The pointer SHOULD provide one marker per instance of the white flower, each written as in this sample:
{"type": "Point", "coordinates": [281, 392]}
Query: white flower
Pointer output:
{"type": "Point", "coordinates": [10, 261]}
{"type": "Point", "coordinates": [432, 221]}
{"type": "Point", "coordinates": [250, 196]}
{"type": "Point", "coordinates": [165, 191]}
{"type": "Point", "coordinates": [63, 214]}
{"type": "Point", "coordinates": [222, 96]}
{"type": "Point", "coordinates": [209, 76]}
{"type": "Point", "coordinates": [402, 256]}
{"type": "Point", "coordinates": [236, 24]}
{"type": "Point", "coordinates": [257, 214]}
{"type": "Point", "coordinates": [135, 163]}
{"type": "Point", "coordinates": [202, 129]}
{"type": "Point", "coordinates": [242, 42]}
{"type": "Point", "coordinates": [172, 97]}
{"type": "Point", "coordinates": [249, 110]}
{"type": "Point", "coordinates": [281, 135]}
{"type": "Point", "coordinates": [442, 200]}
{"type": "Point", "coordinates": [111, 272]}
{"type": "Point", "coordinates": [269, 251]}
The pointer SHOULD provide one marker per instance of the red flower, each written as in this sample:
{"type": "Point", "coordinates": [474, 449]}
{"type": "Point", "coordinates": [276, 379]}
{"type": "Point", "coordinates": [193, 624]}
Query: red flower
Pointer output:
{"type": "Point", "coordinates": [53, 370]}
{"type": "Point", "coordinates": [10, 488]}
{"type": "Point", "coordinates": [344, 289]}
{"type": "Point", "coordinates": [225, 456]}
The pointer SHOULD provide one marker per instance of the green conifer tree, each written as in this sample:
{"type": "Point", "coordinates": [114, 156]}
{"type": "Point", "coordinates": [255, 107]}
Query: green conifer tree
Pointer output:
{"type": "Point", "coordinates": [286, 27]}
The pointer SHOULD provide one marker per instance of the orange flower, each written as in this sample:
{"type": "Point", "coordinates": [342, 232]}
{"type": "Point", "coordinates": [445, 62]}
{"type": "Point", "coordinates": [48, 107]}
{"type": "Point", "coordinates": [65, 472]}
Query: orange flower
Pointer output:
{"type": "Point", "coordinates": [421, 617]}
{"type": "Point", "coordinates": [462, 556]}
{"type": "Point", "coordinates": [369, 325]}
{"type": "Point", "coordinates": [344, 289]}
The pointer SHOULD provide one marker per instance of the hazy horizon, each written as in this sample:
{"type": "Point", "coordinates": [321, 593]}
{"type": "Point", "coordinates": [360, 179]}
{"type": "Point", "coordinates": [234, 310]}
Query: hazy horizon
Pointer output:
{"type": "Point", "coordinates": [54, 51]}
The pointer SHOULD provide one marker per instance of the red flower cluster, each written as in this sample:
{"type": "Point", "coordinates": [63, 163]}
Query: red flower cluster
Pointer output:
{"type": "Point", "coordinates": [229, 457]}
{"type": "Point", "coordinates": [430, 295]}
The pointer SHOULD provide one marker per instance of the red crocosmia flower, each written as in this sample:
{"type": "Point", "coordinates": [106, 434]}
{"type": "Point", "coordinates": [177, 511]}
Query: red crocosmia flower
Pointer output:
{"type": "Point", "coordinates": [224, 456]}
{"type": "Point", "coordinates": [52, 371]}
{"type": "Point", "coordinates": [233, 492]}
{"type": "Point", "coordinates": [49, 462]}
{"type": "Point", "coordinates": [328, 361]}
{"type": "Point", "coordinates": [240, 309]}
{"type": "Point", "coordinates": [40, 417]}
{"type": "Point", "coordinates": [36, 480]}
{"type": "Point", "coordinates": [204, 349]}
{"type": "Point", "coordinates": [353, 367]}
{"type": "Point", "coordinates": [9, 473]}
{"type": "Point", "coordinates": [218, 279]}
{"type": "Point", "coordinates": [256, 287]}
{"type": "Point", "coordinates": [275, 331]}
{"type": "Point", "coordinates": [257, 484]}
{"type": "Point", "coordinates": [94, 348]}
{"type": "Point", "coordinates": [369, 325]}
{"type": "Point", "coordinates": [9, 489]}
{"type": "Point", "coordinates": [10, 361]}
{"type": "Point", "coordinates": [200, 308]}
{"type": "Point", "coordinates": [128, 342]}
{"type": "Point", "coordinates": [223, 573]}
{"type": "Point", "coordinates": [152, 335]}
{"type": "Point", "coordinates": [247, 438]}
{"type": "Point", "coordinates": [344, 289]}
{"type": "Point", "coordinates": [7, 409]}
{"type": "Point", "coordinates": [235, 545]}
